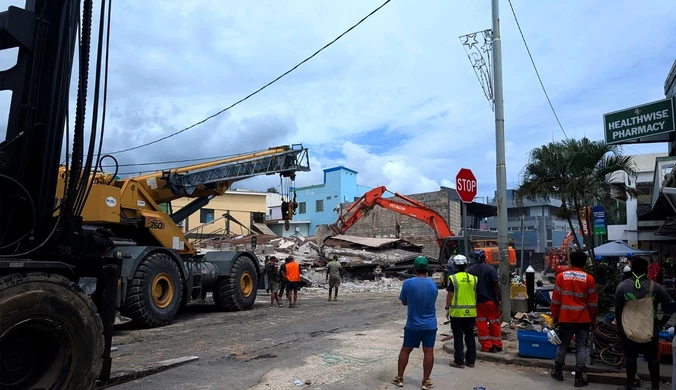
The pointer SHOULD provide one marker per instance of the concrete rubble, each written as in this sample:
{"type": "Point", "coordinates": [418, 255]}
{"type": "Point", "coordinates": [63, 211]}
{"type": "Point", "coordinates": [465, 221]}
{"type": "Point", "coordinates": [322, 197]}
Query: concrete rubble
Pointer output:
{"type": "Point", "coordinates": [371, 264]}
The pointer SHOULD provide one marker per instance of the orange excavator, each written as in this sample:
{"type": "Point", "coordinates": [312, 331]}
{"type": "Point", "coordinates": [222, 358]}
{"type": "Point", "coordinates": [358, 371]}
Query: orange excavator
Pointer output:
{"type": "Point", "coordinates": [449, 243]}
{"type": "Point", "coordinates": [557, 258]}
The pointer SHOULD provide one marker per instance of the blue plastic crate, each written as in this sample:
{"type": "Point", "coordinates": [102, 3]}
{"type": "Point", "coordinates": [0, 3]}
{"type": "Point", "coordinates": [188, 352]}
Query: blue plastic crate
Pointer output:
{"type": "Point", "coordinates": [535, 344]}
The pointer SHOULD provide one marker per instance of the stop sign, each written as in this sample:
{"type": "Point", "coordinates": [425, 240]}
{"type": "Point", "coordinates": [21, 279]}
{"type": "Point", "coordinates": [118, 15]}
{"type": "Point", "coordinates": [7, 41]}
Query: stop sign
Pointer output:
{"type": "Point", "coordinates": [465, 185]}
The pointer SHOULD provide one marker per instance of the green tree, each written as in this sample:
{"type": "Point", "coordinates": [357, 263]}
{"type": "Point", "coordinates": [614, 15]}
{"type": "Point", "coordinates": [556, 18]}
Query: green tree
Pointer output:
{"type": "Point", "coordinates": [579, 173]}
{"type": "Point", "coordinates": [272, 190]}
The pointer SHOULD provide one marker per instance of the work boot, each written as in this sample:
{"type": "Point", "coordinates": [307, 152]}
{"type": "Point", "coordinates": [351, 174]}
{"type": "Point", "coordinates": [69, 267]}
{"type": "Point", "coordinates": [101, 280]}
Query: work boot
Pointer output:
{"type": "Point", "coordinates": [579, 380]}
{"type": "Point", "coordinates": [557, 372]}
{"type": "Point", "coordinates": [495, 349]}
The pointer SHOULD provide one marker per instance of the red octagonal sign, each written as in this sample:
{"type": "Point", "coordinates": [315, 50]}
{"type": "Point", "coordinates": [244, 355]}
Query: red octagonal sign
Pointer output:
{"type": "Point", "coordinates": [465, 185]}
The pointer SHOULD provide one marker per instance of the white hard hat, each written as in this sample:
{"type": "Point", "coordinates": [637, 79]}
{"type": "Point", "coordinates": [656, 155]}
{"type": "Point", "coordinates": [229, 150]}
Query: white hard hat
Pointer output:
{"type": "Point", "coordinates": [626, 269]}
{"type": "Point", "coordinates": [459, 260]}
{"type": "Point", "coordinates": [553, 337]}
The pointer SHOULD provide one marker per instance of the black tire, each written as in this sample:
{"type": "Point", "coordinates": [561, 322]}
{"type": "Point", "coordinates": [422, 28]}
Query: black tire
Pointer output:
{"type": "Point", "coordinates": [50, 334]}
{"type": "Point", "coordinates": [140, 305]}
{"type": "Point", "coordinates": [230, 293]}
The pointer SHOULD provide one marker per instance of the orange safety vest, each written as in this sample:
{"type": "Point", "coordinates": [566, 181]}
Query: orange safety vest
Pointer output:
{"type": "Point", "coordinates": [293, 271]}
{"type": "Point", "coordinates": [575, 299]}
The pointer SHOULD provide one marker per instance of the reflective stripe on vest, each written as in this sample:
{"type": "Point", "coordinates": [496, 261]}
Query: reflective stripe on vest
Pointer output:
{"type": "Point", "coordinates": [293, 271]}
{"type": "Point", "coordinates": [464, 295]}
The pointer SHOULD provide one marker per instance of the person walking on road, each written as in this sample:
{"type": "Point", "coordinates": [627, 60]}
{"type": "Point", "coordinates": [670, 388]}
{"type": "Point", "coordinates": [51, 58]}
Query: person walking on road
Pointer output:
{"type": "Point", "coordinates": [488, 302]}
{"type": "Point", "coordinates": [461, 307]}
{"type": "Point", "coordinates": [292, 275]}
{"type": "Point", "coordinates": [419, 295]}
{"type": "Point", "coordinates": [282, 280]}
{"type": "Point", "coordinates": [273, 278]}
{"type": "Point", "coordinates": [574, 308]}
{"type": "Point", "coordinates": [334, 274]}
{"type": "Point", "coordinates": [636, 301]}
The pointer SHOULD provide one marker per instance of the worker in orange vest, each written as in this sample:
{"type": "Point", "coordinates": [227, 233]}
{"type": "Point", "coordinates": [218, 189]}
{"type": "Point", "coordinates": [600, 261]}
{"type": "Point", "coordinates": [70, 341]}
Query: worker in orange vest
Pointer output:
{"type": "Point", "coordinates": [292, 274]}
{"type": "Point", "coordinates": [574, 308]}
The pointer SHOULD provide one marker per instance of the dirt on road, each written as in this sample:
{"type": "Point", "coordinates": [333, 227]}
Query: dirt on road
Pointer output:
{"type": "Point", "coordinates": [349, 344]}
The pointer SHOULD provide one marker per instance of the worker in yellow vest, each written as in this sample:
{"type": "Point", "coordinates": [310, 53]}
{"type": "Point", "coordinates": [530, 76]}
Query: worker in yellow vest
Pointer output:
{"type": "Point", "coordinates": [461, 307]}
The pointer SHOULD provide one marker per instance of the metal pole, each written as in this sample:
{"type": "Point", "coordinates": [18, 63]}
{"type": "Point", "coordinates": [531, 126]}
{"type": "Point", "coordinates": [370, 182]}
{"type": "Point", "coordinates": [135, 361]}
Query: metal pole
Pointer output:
{"type": "Point", "coordinates": [501, 170]}
{"type": "Point", "coordinates": [530, 288]}
{"type": "Point", "coordinates": [522, 243]}
{"type": "Point", "coordinates": [464, 229]}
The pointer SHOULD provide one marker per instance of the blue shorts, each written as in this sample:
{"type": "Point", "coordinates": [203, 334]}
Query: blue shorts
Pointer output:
{"type": "Point", "coordinates": [413, 338]}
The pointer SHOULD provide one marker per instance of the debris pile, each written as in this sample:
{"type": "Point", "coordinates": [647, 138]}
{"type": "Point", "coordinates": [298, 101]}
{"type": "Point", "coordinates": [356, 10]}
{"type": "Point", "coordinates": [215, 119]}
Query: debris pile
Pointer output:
{"type": "Point", "coordinates": [371, 264]}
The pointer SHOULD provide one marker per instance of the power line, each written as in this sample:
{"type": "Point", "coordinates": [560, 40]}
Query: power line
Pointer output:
{"type": "Point", "coordinates": [256, 91]}
{"type": "Point", "coordinates": [536, 69]}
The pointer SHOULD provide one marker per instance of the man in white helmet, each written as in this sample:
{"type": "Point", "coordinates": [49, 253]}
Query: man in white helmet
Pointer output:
{"type": "Point", "coordinates": [461, 306]}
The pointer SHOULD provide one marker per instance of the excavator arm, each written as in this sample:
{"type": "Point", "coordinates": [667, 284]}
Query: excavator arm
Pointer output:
{"type": "Point", "coordinates": [121, 204]}
{"type": "Point", "coordinates": [412, 208]}
{"type": "Point", "coordinates": [448, 242]}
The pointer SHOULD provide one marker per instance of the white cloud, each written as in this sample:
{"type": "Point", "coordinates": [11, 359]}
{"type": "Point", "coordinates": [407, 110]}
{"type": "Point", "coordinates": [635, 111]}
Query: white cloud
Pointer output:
{"type": "Point", "coordinates": [396, 99]}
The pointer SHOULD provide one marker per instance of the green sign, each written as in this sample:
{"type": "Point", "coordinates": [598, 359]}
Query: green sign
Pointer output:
{"type": "Point", "coordinates": [639, 122]}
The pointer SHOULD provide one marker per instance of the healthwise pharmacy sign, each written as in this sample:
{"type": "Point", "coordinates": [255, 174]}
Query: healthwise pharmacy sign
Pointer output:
{"type": "Point", "coordinates": [639, 122]}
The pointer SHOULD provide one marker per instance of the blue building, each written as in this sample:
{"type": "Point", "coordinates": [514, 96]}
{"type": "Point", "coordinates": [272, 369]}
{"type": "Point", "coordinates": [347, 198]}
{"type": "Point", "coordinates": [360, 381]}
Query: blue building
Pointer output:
{"type": "Point", "coordinates": [320, 203]}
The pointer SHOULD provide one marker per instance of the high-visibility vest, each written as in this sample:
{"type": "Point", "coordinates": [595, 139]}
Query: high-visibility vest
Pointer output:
{"type": "Point", "coordinates": [463, 304]}
{"type": "Point", "coordinates": [293, 271]}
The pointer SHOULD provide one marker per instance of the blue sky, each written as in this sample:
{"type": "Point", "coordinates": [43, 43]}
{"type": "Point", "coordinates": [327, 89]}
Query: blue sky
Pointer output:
{"type": "Point", "coordinates": [396, 99]}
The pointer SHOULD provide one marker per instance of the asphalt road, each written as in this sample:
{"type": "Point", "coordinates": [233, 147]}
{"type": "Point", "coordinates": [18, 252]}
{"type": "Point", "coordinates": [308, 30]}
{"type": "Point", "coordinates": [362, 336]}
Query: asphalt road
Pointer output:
{"type": "Point", "coordinates": [349, 344]}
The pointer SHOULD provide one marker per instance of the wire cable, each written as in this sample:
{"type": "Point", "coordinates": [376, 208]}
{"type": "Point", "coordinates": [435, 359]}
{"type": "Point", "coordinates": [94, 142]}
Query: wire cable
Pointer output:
{"type": "Point", "coordinates": [536, 70]}
{"type": "Point", "coordinates": [256, 91]}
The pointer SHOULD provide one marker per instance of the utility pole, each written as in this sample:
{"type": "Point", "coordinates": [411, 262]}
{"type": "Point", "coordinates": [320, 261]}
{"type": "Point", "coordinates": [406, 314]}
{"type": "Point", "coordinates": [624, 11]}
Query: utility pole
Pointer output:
{"type": "Point", "coordinates": [500, 166]}
{"type": "Point", "coordinates": [522, 242]}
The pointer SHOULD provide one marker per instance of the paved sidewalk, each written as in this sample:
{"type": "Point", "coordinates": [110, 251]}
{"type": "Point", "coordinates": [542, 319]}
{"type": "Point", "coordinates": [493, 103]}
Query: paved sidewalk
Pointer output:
{"type": "Point", "coordinates": [513, 358]}
{"type": "Point", "coordinates": [489, 375]}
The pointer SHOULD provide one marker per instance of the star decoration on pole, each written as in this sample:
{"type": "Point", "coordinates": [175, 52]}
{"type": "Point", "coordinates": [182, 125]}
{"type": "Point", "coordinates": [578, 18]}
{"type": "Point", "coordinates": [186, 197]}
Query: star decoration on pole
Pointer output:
{"type": "Point", "coordinates": [478, 47]}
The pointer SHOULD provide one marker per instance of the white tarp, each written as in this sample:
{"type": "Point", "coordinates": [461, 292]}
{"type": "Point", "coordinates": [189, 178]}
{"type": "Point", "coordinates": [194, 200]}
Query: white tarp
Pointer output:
{"type": "Point", "coordinates": [619, 249]}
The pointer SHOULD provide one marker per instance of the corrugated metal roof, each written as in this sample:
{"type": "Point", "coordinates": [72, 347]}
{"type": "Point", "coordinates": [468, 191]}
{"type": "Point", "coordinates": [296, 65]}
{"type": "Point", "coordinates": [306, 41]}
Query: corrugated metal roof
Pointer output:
{"type": "Point", "coordinates": [368, 241]}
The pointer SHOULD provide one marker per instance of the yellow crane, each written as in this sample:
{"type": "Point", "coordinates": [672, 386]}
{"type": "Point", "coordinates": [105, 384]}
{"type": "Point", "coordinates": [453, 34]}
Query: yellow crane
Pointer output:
{"type": "Point", "coordinates": [161, 270]}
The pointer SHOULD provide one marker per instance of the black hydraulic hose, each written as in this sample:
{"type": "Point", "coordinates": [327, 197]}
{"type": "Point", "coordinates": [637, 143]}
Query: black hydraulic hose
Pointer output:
{"type": "Point", "coordinates": [117, 166]}
{"type": "Point", "coordinates": [82, 198]}
{"type": "Point", "coordinates": [75, 173]}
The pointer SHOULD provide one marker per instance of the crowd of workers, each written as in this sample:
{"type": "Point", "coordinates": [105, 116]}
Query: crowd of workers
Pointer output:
{"type": "Point", "coordinates": [287, 276]}
{"type": "Point", "coordinates": [473, 298]}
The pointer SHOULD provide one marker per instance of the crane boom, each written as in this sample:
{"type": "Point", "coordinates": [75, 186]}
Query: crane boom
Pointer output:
{"type": "Point", "coordinates": [135, 202]}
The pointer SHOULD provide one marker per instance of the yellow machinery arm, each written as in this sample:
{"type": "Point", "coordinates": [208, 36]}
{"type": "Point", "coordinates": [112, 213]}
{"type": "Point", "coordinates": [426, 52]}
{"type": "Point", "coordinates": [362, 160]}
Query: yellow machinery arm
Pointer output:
{"type": "Point", "coordinates": [119, 204]}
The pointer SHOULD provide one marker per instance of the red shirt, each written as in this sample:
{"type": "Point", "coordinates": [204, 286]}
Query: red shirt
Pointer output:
{"type": "Point", "coordinates": [574, 299]}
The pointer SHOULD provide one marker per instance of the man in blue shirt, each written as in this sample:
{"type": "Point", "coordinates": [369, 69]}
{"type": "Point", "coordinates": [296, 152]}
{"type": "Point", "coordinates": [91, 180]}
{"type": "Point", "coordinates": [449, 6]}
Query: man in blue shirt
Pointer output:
{"type": "Point", "coordinates": [419, 295]}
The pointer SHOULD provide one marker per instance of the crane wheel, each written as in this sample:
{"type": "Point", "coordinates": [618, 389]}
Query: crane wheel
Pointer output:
{"type": "Point", "coordinates": [51, 336]}
{"type": "Point", "coordinates": [237, 291]}
{"type": "Point", "coordinates": [154, 294]}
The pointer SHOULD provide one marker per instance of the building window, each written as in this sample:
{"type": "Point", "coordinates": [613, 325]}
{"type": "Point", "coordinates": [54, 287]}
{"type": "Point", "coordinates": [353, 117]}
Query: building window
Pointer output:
{"type": "Point", "coordinates": [356, 198]}
{"type": "Point", "coordinates": [301, 208]}
{"type": "Point", "coordinates": [328, 198]}
{"type": "Point", "coordinates": [206, 215]}
{"type": "Point", "coordinates": [319, 206]}
{"type": "Point", "coordinates": [549, 235]}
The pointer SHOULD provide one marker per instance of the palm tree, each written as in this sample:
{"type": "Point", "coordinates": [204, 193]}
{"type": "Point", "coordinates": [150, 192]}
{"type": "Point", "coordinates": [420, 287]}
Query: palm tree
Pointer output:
{"type": "Point", "coordinates": [579, 173]}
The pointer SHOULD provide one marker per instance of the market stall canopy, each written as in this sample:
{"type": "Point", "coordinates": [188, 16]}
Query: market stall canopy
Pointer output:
{"type": "Point", "coordinates": [619, 248]}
